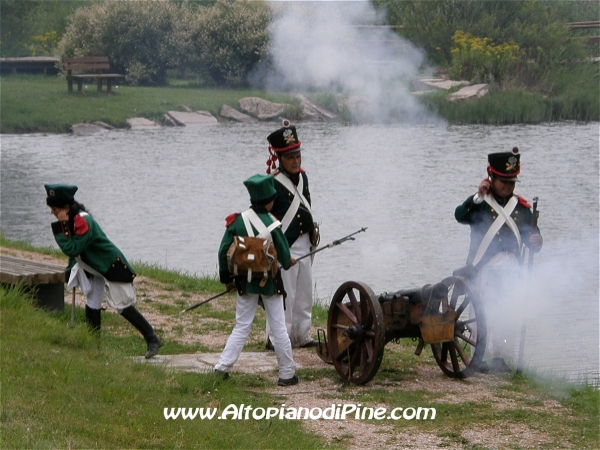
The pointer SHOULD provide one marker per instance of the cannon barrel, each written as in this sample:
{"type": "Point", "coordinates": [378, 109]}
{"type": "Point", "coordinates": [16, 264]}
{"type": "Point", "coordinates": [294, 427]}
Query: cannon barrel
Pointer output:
{"type": "Point", "coordinates": [417, 295]}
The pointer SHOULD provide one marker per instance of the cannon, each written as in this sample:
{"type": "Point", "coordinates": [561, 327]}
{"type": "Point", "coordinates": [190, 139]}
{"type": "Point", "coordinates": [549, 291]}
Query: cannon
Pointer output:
{"type": "Point", "coordinates": [447, 315]}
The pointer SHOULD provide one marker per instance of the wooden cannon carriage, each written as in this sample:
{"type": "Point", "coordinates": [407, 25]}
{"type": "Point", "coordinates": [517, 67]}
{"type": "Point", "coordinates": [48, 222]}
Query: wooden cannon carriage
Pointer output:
{"type": "Point", "coordinates": [448, 316]}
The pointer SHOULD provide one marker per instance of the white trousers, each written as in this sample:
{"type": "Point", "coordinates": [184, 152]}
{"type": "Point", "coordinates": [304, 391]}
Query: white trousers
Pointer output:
{"type": "Point", "coordinates": [297, 281]}
{"type": "Point", "coordinates": [245, 311]}
{"type": "Point", "coordinates": [94, 286]}
{"type": "Point", "coordinates": [498, 289]}
{"type": "Point", "coordinates": [96, 294]}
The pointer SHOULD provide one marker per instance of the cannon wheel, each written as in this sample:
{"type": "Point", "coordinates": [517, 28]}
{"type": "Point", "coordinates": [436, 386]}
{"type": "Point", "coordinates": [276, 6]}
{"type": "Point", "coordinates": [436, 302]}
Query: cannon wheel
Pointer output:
{"type": "Point", "coordinates": [461, 357]}
{"type": "Point", "coordinates": [356, 332]}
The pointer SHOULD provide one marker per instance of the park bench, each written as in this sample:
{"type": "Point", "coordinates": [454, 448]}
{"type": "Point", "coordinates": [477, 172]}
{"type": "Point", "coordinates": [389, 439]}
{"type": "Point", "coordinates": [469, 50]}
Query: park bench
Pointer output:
{"type": "Point", "coordinates": [45, 280]}
{"type": "Point", "coordinates": [89, 63]}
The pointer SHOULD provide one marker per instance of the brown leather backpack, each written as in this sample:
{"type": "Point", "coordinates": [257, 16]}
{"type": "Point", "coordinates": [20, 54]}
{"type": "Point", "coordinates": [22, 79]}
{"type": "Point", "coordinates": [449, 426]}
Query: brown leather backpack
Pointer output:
{"type": "Point", "coordinates": [254, 257]}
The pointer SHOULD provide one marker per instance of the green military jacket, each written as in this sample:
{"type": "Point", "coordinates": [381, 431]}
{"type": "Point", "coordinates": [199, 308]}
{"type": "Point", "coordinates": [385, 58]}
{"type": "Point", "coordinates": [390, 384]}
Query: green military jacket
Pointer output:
{"type": "Point", "coordinates": [84, 238]}
{"type": "Point", "coordinates": [235, 227]}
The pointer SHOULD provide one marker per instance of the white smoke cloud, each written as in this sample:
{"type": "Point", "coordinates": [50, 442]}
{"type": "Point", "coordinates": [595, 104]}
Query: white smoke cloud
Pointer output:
{"type": "Point", "coordinates": [333, 46]}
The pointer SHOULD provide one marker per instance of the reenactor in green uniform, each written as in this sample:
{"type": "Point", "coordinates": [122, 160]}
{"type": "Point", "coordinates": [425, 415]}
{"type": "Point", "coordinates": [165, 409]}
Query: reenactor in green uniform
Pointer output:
{"type": "Point", "coordinates": [95, 264]}
{"type": "Point", "coordinates": [256, 222]}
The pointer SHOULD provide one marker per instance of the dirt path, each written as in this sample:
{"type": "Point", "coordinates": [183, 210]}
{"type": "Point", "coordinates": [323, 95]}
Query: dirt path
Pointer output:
{"type": "Point", "coordinates": [322, 393]}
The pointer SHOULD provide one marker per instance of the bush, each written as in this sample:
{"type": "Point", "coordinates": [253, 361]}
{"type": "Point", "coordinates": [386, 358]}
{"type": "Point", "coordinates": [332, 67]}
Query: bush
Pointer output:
{"type": "Point", "coordinates": [479, 59]}
{"type": "Point", "coordinates": [537, 27]}
{"type": "Point", "coordinates": [138, 37]}
{"type": "Point", "coordinates": [145, 39]}
{"type": "Point", "coordinates": [230, 38]}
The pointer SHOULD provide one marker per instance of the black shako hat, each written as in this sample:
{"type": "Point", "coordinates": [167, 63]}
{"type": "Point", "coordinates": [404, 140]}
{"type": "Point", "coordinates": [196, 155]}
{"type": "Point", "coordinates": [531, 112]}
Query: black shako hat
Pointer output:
{"type": "Point", "coordinates": [59, 195]}
{"type": "Point", "coordinates": [284, 140]}
{"type": "Point", "coordinates": [505, 165]}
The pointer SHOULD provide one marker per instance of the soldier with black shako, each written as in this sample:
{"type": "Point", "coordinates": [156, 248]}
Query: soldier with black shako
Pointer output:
{"type": "Point", "coordinates": [293, 208]}
{"type": "Point", "coordinates": [501, 226]}
{"type": "Point", "coordinates": [96, 265]}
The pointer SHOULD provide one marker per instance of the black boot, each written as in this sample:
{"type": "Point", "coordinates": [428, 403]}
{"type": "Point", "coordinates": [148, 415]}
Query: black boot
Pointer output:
{"type": "Point", "coordinates": [93, 319]}
{"type": "Point", "coordinates": [135, 318]}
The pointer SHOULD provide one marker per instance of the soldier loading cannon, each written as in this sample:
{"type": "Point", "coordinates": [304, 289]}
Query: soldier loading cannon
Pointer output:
{"type": "Point", "coordinates": [447, 315]}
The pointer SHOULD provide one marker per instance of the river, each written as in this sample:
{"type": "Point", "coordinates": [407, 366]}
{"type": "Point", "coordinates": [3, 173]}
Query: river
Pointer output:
{"type": "Point", "coordinates": [162, 195]}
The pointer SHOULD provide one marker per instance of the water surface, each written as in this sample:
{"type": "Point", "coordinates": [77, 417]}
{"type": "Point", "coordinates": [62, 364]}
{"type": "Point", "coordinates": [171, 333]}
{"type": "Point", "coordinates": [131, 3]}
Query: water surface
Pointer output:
{"type": "Point", "coordinates": [162, 196]}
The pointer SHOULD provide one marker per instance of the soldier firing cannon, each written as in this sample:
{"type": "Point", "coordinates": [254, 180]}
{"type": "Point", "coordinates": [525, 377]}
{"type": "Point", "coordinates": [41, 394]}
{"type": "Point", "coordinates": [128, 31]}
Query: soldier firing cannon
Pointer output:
{"type": "Point", "coordinates": [447, 315]}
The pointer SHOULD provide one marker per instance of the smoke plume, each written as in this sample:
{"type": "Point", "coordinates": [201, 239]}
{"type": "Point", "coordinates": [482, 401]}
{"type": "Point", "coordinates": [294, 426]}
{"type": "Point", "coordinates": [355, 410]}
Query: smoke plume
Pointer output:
{"type": "Point", "coordinates": [335, 47]}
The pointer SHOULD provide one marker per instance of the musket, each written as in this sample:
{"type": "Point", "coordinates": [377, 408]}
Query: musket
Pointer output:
{"type": "Point", "coordinates": [333, 243]}
{"type": "Point", "coordinates": [534, 220]}
{"type": "Point", "coordinates": [204, 301]}
{"type": "Point", "coordinates": [73, 309]}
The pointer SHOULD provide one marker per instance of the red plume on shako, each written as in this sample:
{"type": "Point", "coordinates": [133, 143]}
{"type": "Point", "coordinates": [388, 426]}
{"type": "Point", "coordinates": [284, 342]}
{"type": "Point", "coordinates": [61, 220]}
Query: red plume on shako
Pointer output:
{"type": "Point", "coordinates": [282, 141]}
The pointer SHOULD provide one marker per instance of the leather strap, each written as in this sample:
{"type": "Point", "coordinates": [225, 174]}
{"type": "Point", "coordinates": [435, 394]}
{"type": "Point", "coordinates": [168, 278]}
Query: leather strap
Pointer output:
{"type": "Point", "coordinates": [503, 217]}
{"type": "Point", "coordinates": [298, 197]}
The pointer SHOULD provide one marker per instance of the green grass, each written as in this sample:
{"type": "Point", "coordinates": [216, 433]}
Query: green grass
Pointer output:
{"type": "Point", "coordinates": [22, 245]}
{"type": "Point", "coordinates": [179, 280]}
{"type": "Point", "coordinates": [63, 387]}
{"type": "Point", "coordinates": [42, 103]}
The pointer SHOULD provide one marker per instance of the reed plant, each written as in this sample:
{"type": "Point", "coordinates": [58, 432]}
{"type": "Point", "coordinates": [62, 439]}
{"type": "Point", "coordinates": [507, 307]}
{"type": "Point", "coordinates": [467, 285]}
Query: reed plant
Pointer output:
{"type": "Point", "coordinates": [501, 107]}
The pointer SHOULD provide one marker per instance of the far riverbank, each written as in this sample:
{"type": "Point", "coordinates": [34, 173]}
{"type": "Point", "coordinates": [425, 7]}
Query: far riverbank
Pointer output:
{"type": "Point", "coordinates": [41, 104]}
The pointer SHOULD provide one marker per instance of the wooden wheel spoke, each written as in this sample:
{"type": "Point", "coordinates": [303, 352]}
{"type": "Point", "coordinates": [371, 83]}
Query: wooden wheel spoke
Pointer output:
{"type": "Point", "coordinates": [461, 323]}
{"type": "Point", "coordinates": [454, 297]}
{"type": "Point", "coordinates": [365, 309]}
{"type": "Point", "coordinates": [453, 358]}
{"type": "Point", "coordinates": [461, 352]}
{"type": "Point", "coordinates": [444, 352]}
{"type": "Point", "coordinates": [355, 305]}
{"type": "Point", "coordinates": [369, 348]}
{"type": "Point", "coordinates": [470, 341]}
{"type": "Point", "coordinates": [364, 360]}
{"type": "Point", "coordinates": [339, 327]}
{"type": "Point", "coordinates": [354, 359]}
{"type": "Point", "coordinates": [463, 306]}
{"type": "Point", "coordinates": [345, 353]}
{"type": "Point", "coordinates": [347, 312]}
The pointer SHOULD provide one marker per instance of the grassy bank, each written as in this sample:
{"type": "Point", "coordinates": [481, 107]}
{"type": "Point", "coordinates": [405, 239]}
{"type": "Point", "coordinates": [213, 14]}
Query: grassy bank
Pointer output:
{"type": "Point", "coordinates": [63, 388]}
{"type": "Point", "coordinates": [42, 104]}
